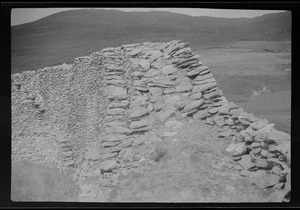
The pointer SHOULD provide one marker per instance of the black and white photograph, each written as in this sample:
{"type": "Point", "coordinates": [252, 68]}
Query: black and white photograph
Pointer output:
{"type": "Point", "coordinates": [150, 105]}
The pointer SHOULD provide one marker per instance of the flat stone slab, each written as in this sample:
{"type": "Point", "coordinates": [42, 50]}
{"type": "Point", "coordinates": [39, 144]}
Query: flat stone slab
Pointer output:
{"type": "Point", "coordinates": [237, 149]}
{"type": "Point", "coordinates": [184, 87]}
{"type": "Point", "coordinates": [118, 130]}
{"type": "Point", "coordinates": [165, 114]}
{"type": "Point", "coordinates": [116, 91]}
{"type": "Point", "coordinates": [204, 87]}
{"type": "Point", "coordinates": [109, 165]}
{"type": "Point", "coordinates": [263, 180]}
{"type": "Point", "coordinates": [174, 124]}
{"type": "Point", "coordinates": [193, 105]}
{"type": "Point", "coordinates": [246, 162]}
{"type": "Point", "coordinates": [138, 112]}
{"type": "Point", "coordinates": [140, 123]}
{"type": "Point", "coordinates": [169, 69]}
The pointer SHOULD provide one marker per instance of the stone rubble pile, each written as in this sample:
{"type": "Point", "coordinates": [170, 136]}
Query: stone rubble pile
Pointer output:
{"type": "Point", "coordinates": [116, 97]}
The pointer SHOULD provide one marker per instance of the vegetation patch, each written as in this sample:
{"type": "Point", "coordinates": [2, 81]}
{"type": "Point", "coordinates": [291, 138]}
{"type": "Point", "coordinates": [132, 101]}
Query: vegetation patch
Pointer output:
{"type": "Point", "coordinates": [31, 182]}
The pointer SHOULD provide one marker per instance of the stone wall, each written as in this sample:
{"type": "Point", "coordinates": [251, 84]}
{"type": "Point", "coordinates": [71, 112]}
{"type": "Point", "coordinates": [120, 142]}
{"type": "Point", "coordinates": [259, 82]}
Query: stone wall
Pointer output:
{"type": "Point", "coordinates": [93, 113]}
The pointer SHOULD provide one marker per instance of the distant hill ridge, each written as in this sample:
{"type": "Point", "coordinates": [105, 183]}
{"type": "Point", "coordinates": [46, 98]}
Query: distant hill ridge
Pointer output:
{"type": "Point", "coordinates": [63, 36]}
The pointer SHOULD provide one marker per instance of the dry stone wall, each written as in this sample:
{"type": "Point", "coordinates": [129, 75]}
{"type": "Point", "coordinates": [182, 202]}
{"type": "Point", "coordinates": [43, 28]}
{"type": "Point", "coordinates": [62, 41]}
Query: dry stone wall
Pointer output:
{"type": "Point", "coordinates": [93, 115]}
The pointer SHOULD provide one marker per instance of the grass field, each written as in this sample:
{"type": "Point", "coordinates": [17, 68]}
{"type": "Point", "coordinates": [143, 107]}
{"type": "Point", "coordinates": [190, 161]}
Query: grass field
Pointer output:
{"type": "Point", "coordinates": [241, 68]}
{"type": "Point", "coordinates": [31, 182]}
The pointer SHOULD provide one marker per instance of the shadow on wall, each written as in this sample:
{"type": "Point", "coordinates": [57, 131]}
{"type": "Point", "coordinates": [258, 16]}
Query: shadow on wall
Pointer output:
{"type": "Point", "coordinates": [31, 182]}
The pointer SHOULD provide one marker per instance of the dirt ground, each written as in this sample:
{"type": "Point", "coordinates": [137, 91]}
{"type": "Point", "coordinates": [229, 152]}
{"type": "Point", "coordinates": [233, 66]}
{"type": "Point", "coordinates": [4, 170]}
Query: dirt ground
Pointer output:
{"type": "Point", "coordinates": [191, 166]}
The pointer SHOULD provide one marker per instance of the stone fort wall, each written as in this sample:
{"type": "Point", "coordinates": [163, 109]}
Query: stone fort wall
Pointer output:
{"type": "Point", "coordinates": [68, 116]}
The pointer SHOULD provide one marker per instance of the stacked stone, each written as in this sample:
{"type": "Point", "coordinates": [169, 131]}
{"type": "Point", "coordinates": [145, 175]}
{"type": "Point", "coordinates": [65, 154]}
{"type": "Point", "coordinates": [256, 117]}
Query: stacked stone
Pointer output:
{"type": "Point", "coordinates": [261, 151]}
{"type": "Point", "coordinates": [117, 102]}
{"type": "Point", "coordinates": [263, 154]}
{"type": "Point", "coordinates": [66, 151]}
{"type": "Point", "coordinates": [140, 106]}
{"type": "Point", "coordinates": [197, 88]}
{"type": "Point", "coordinates": [113, 96]}
{"type": "Point", "coordinates": [33, 115]}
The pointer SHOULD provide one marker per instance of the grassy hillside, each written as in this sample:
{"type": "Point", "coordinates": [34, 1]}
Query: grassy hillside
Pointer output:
{"type": "Point", "coordinates": [244, 54]}
{"type": "Point", "coordinates": [63, 36]}
{"type": "Point", "coordinates": [31, 182]}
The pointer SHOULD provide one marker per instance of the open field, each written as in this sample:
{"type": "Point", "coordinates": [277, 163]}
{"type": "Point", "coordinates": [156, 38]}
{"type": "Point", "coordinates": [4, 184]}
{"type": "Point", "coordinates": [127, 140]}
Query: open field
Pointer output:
{"type": "Point", "coordinates": [243, 68]}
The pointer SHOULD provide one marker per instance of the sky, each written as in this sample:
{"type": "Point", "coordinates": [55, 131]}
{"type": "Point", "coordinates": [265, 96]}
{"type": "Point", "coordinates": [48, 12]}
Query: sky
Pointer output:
{"type": "Point", "coordinates": [20, 16]}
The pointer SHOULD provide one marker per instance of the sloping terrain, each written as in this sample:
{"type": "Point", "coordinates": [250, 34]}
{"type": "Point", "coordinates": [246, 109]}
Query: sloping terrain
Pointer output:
{"type": "Point", "coordinates": [256, 75]}
{"type": "Point", "coordinates": [61, 37]}
{"type": "Point", "coordinates": [244, 54]}
{"type": "Point", "coordinates": [191, 166]}
{"type": "Point", "coordinates": [32, 182]}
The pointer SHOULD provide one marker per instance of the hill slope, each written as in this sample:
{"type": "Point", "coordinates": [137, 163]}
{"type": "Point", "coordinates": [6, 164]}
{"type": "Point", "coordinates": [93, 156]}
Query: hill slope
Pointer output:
{"type": "Point", "coordinates": [63, 36]}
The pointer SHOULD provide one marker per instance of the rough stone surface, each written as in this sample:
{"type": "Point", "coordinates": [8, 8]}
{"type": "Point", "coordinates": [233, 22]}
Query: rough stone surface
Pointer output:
{"type": "Point", "coordinates": [261, 179]}
{"type": "Point", "coordinates": [138, 112]}
{"type": "Point", "coordinates": [174, 125]}
{"type": "Point", "coordinates": [97, 110]}
{"type": "Point", "coordinates": [184, 87]}
{"type": "Point", "coordinates": [109, 165]}
{"type": "Point", "coordinates": [246, 162]}
{"type": "Point", "coordinates": [169, 69]}
{"type": "Point", "coordinates": [236, 149]}
{"type": "Point", "coordinates": [165, 114]}
{"type": "Point", "coordinates": [193, 105]}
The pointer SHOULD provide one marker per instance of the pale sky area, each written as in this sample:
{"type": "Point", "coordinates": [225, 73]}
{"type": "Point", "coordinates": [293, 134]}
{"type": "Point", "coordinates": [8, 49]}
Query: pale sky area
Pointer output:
{"type": "Point", "coordinates": [20, 16]}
